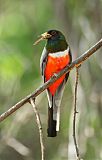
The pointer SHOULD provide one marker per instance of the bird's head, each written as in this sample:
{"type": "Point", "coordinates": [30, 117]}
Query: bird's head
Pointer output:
{"type": "Point", "coordinates": [55, 40]}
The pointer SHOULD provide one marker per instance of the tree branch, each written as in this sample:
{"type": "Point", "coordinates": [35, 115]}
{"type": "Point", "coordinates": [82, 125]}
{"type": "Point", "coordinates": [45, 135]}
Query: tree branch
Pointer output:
{"type": "Point", "coordinates": [38, 121]}
{"type": "Point", "coordinates": [74, 115]}
{"type": "Point", "coordinates": [39, 90]}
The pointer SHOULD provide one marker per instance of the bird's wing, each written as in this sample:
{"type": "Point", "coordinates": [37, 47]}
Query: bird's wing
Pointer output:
{"type": "Point", "coordinates": [43, 61]}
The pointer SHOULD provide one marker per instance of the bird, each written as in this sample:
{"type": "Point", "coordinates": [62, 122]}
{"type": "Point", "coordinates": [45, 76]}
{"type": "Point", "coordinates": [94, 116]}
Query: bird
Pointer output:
{"type": "Point", "coordinates": [56, 55]}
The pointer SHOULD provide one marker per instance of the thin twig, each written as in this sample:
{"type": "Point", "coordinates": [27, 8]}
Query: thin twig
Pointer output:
{"type": "Point", "coordinates": [74, 116]}
{"type": "Point", "coordinates": [39, 90]}
{"type": "Point", "coordinates": [38, 121]}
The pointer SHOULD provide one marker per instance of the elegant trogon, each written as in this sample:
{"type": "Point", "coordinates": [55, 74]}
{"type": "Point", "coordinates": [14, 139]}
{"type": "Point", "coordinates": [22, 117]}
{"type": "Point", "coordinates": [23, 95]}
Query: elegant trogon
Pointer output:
{"type": "Point", "coordinates": [55, 56]}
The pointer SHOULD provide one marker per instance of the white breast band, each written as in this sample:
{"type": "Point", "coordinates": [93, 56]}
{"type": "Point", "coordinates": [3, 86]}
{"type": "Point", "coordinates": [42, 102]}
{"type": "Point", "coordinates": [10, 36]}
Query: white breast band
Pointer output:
{"type": "Point", "coordinates": [60, 54]}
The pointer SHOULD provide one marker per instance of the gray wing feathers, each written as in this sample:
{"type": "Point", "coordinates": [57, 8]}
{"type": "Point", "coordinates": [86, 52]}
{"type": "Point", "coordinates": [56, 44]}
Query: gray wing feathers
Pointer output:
{"type": "Point", "coordinates": [43, 60]}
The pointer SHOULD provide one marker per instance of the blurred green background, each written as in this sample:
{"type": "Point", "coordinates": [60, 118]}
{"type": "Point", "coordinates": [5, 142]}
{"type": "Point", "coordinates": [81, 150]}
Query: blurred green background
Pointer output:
{"type": "Point", "coordinates": [21, 21]}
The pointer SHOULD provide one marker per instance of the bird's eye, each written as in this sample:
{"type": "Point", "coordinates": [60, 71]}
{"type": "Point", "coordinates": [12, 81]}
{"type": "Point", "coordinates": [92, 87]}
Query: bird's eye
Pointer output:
{"type": "Point", "coordinates": [53, 33]}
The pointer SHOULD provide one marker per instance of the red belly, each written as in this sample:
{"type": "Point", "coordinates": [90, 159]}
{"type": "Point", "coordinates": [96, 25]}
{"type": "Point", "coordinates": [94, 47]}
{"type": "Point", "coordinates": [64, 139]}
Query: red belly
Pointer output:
{"type": "Point", "coordinates": [54, 65]}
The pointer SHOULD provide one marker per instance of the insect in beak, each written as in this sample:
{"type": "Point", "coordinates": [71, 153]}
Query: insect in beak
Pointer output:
{"type": "Point", "coordinates": [42, 37]}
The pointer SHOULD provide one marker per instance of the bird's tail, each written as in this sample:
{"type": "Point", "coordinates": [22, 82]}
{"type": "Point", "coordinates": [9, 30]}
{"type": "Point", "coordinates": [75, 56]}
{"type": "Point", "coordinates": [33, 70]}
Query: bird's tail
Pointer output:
{"type": "Point", "coordinates": [51, 124]}
{"type": "Point", "coordinates": [54, 110]}
{"type": "Point", "coordinates": [53, 118]}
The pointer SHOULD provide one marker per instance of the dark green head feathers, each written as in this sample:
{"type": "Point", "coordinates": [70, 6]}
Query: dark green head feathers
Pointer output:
{"type": "Point", "coordinates": [56, 42]}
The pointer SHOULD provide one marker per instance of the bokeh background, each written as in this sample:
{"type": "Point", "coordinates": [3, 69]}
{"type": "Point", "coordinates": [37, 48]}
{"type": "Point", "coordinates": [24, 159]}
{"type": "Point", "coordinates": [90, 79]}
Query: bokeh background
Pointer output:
{"type": "Point", "coordinates": [21, 21]}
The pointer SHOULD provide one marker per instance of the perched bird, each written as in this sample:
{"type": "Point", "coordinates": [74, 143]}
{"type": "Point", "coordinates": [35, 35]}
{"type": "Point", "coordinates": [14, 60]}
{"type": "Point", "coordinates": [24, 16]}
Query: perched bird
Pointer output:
{"type": "Point", "coordinates": [55, 56]}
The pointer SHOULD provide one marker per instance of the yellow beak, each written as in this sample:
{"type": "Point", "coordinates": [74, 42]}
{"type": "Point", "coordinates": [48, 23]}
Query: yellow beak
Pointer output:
{"type": "Point", "coordinates": [42, 37]}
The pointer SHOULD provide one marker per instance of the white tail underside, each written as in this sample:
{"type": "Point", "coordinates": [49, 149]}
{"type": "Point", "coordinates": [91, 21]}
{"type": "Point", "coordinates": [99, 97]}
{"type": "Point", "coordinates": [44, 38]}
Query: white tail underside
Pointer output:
{"type": "Point", "coordinates": [58, 119]}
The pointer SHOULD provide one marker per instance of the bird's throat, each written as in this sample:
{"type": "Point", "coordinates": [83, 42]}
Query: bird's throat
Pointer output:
{"type": "Point", "coordinates": [56, 46]}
